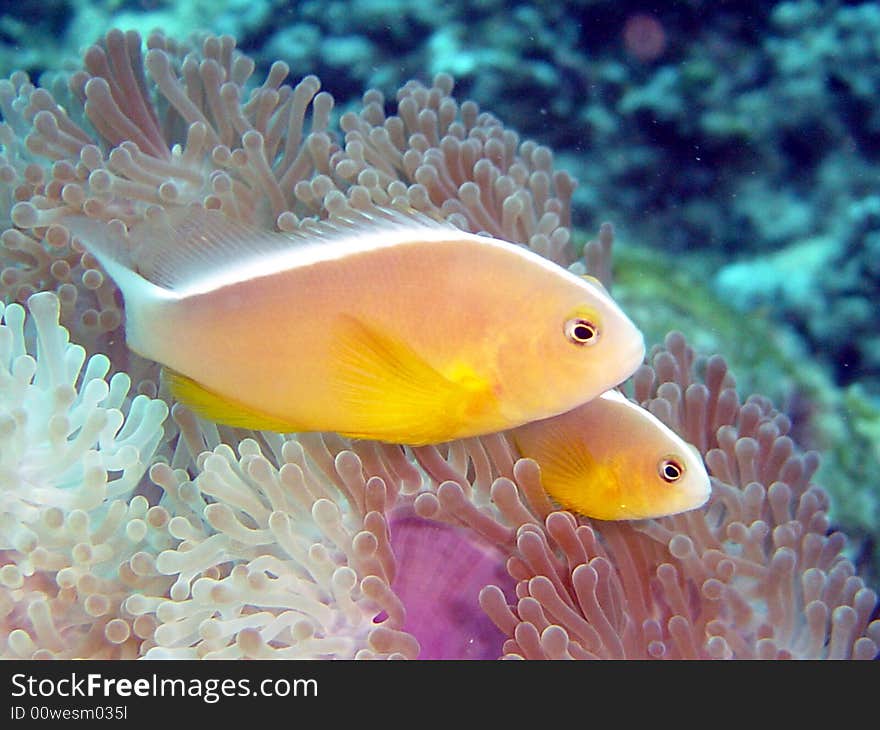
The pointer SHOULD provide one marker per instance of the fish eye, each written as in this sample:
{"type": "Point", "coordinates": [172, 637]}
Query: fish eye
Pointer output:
{"type": "Point", "coordinates": [582, 331]}
{"type": "Point", "coordinates": [671, 470]}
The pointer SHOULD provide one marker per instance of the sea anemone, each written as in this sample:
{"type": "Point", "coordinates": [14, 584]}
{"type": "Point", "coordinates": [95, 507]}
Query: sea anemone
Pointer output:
{"type": "Point", "coordinates": [391, 540]}
{"type": "Point", "coordinates": [754, 574]}
{"type": "Point", "coordinates": [255, 544]}
{"type": "Point", "coordinates": [74, 446]}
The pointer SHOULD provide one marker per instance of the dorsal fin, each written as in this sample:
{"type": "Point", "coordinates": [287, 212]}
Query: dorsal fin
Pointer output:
{"type": "Point", "coordinates": [192, 248]}
{"type": "Point", "coordinates": [596, 282]}
{"type": "Point", "coordinates": [111, 246]}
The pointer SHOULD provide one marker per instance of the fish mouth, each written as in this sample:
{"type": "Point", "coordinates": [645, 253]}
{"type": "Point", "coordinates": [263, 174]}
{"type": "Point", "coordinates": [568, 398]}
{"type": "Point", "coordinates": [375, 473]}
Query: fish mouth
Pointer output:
{"type": "Point", "coordinates": [635, 355]}
{"type": "Point", "coordinates": [706, 492]}
{"type": "Point", "coordinates": [696, 495]}
{"type": "Point", "coordinates": [699, 501]}
{"type": "Point", "coordinates": [704, 488]}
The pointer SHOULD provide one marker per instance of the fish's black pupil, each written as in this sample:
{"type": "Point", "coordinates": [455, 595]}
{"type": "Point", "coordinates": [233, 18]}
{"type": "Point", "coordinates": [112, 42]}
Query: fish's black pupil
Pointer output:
{"type": "Point", "coordinates": [671, 471]}
{"type": "Point", "coordinates": [583, 332]}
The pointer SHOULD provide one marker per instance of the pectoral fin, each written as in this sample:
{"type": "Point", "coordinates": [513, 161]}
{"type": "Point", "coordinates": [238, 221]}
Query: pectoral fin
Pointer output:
{"type": "Point", "coordinates": [567, 466]}
{"type": "Point", "coordinates": [394, 394]}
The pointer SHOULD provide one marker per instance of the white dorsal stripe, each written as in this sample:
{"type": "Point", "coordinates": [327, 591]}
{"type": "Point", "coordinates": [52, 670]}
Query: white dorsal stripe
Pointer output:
{"type": "Point", "coordinates": [269, 253]}
{"type": "Point", "coordinates": [614, 395]}
{"type": "Point", "coordinates": [192, 251]}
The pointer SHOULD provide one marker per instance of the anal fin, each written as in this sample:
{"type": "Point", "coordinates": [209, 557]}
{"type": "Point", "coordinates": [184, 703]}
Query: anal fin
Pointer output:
{"type": "Point", "coordinates": [215, 407]}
